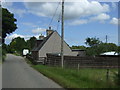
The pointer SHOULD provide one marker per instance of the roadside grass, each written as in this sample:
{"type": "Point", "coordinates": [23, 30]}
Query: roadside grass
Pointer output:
{"type": "Point", "coordinates": [0, 61]}
{"type": "Point", "coordinates": [17, 54]}
{"type": "Point", "coordinates": [83, 78]}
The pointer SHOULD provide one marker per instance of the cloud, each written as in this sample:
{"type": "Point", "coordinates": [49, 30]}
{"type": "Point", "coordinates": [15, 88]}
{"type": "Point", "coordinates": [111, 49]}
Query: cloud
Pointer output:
{"type": "Point", "coordinates": [114, 5]}
{"type": "Point", "coordinates": [12, 9]}
{"type": "Point", "coordinates": [78, 22]}
{"type": "Point", "coordinates": [72, 9]}
{"type": "Point", "coordinates": [12, 36]}
{"type": "Point", "coordinates": [19, 12]}
{"type": "Point", "coordinates": [115, 21]}
{"type": "Point", "coordinates": [6, 4]}
{"type": "Point", "coordinates": [38, 30]}
{"type": "Point", "coordinates": [29, 24]}
{"type": "Point", "coordinates": [101, 17]}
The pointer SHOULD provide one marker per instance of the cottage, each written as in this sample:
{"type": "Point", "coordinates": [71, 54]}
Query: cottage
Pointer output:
{"type": "Point", "coordinates": [50, 44]}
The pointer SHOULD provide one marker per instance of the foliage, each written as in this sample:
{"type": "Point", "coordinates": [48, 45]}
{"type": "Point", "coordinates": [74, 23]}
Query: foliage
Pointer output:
{"type": "Point", "coordinates": [78, 47]}
{"type": "Point", "coordinates": [17, 45]}
{"type": "Point", "coordinates": [97, 47]}
{"type": "Point", "coordinates": [8, 23]}
{"type": "Point", "coordinates": [92, 41]}
{"type": "Point", "coordinates": [31, 43]}
{"type": "Point", "coordinates": [101, 48]}
{"type": "Point", "coordinates": [8, 26]}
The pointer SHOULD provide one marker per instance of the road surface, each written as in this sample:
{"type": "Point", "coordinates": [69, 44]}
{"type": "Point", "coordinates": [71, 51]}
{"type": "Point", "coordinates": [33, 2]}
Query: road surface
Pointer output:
{"type": "Point", "coordinates": [16, 73]}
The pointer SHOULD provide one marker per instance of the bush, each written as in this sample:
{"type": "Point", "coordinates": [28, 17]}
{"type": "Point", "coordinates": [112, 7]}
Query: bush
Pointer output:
{"type": "Point", "coordinates": [3, 54]}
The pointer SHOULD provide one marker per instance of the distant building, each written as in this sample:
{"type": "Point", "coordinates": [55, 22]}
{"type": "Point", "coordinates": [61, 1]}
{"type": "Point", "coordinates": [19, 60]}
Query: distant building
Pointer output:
{"type": "Point", "coordinates": [112, 53]}
{"type": "Point", "coordinates": [50, 44]}
{"type": "Point", "coordinates": [81, 52]}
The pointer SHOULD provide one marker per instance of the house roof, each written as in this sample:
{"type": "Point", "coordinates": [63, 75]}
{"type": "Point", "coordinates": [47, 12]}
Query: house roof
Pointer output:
{"type": "Point", "coordinates": [78, 50]}
{"type": "Point", "coordinates": [109, 53]}
{"type": "Point", "coordinates": [37, 48]}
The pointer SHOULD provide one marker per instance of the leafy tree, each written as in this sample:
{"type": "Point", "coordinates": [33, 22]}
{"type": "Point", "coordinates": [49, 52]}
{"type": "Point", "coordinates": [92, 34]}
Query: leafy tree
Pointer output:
{"type": "Point", "coordinates": [92, 41]}
{"type": "Point", "coordinates": [101, 48]}
{"type": "Point", "coordinates": [31, 42]}
{"type": "Point", "coordinates": [97, 47]}
{"type": "Point", "coordinates": [8, 23]}
{"type": "Point", "coordinates": [78, 47]}
{"type": "Point", "coordinates": [18, 44]}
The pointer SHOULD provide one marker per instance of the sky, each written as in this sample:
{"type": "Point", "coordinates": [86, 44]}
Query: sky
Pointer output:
{"type": "Point", "coordinates": [81, 20]}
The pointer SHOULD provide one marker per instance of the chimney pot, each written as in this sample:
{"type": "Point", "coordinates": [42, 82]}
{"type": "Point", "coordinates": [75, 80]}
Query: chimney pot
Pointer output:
{"type": "Point", "coordinates": [49, 31]}
{"type": "Point", "coordinates": [50, 28]}
{"type": "Point", "coordinates": [41, 37]}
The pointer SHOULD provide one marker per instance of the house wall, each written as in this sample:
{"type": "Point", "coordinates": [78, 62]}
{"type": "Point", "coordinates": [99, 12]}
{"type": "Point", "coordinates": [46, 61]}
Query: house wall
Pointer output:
{"type": "Point", "coordinates": [53, 45]}
{"type": "Point", "coordinates": [81, 53]}
{"type": "Point", "coordinates": [35, 55]}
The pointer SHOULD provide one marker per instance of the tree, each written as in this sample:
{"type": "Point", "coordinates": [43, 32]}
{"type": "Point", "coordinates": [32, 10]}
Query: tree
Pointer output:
{"type": "Point", "coordinates": [97, 47]}
{"type": "Point", "coordinates": [31, 43]}
{"type": "Point", "coordinates": [78, 47]}
{"type": "Point", "coordinates": [92, 41]}
{"type": "Point", "coordinates": [18, 44]}
{"type": "Point", "coordinates": [8, 23]}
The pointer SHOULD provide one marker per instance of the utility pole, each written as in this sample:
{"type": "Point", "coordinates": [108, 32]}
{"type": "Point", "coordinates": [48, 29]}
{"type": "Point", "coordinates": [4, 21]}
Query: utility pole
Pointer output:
{"type": "Point", "coordinates": [107, 73]}
{"type": "Point", "coordinates": [106, 38]}
{"type": "Point", "coordinates": [62, 35]}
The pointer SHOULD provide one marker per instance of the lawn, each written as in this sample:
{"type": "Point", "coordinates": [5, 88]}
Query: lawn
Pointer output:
{"type": "Point", "coordinates": [83, 78]}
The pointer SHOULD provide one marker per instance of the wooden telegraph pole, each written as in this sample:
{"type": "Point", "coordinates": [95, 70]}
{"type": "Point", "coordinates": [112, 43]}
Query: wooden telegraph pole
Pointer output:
{"type": "Point", "coordinates": [62, 35]}
{"type": "Point", "coordinates": [107, 73]}
{"type": "Point", "coordinates": [106, 38]}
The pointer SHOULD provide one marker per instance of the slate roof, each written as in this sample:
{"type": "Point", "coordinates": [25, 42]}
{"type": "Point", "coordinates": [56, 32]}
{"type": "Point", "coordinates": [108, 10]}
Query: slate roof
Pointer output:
{"type": "Point", "coordinates": [37, 48]}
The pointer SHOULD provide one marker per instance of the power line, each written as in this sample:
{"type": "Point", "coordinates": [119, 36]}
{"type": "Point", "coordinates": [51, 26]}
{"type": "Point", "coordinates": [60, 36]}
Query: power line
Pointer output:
{"type": "Point", "coordinates": [54, 14]}
{"type": "Point", "coordinates": [58, 22]}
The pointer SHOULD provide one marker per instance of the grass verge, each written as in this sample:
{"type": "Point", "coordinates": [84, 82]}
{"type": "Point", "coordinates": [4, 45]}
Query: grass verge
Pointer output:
{"type": "Point", "coordinates": [83, 78]}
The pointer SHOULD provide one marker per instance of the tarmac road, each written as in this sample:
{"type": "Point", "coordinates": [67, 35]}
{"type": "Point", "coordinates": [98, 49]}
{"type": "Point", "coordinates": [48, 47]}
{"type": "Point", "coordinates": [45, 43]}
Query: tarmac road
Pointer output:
{"type": "Point", "coordinates": [16, 73]}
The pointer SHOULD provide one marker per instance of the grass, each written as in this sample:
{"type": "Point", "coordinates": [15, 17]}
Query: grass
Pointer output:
{"type": "Point", "coordinates": [17, 54]}
{"type": "Point", "coordinates": [83, 78]}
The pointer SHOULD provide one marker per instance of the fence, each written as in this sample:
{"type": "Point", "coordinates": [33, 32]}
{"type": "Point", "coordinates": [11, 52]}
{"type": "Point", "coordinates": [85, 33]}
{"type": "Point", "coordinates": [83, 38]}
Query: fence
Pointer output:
{"type": "Point", "coordinates": [41, 60]}
{"type": "Point", "coordinates": [79, 62]}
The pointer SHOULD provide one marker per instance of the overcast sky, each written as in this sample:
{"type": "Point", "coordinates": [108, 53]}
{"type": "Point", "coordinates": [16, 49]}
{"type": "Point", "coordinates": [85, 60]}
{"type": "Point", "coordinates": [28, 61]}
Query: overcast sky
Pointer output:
{"type": "Point", "coordinates": [82, 19]}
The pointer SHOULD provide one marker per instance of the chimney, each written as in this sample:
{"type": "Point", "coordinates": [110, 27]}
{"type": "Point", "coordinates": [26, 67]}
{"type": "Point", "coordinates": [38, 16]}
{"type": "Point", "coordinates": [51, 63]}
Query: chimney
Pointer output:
{"type": "Point", "coordinates": [49, 31]}
{"type": "Point", "coordinates": [41, 37]}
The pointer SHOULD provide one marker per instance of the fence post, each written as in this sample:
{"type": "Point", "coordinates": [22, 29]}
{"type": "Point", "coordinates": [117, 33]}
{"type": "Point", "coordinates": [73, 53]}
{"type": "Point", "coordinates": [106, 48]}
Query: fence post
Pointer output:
{"type": "Point", "coordinates": [78, 66]}
{"type": "Point", "coordinates": [107, 74]}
